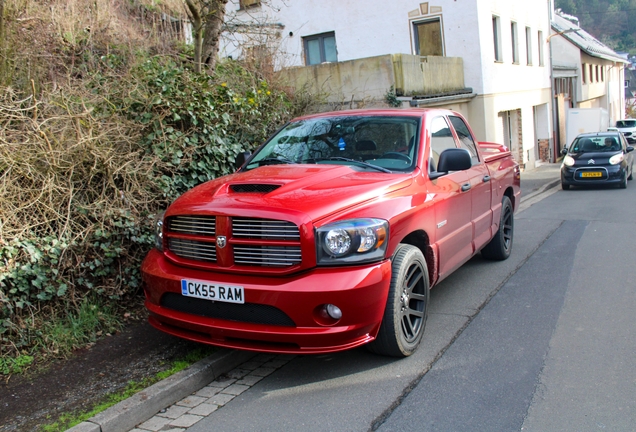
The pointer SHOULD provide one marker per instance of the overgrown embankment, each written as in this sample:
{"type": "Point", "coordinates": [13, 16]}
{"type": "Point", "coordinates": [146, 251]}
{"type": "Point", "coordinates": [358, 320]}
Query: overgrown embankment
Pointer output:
{"type": "Point", "coordinates": [108, 130]}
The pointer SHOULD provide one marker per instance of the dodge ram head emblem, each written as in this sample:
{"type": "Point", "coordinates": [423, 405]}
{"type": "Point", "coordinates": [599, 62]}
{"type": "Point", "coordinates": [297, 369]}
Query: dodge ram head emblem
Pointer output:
{"type": "Point", "coordinates": [221, 241]}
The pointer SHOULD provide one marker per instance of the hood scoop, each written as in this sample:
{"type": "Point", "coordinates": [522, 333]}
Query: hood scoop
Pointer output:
{"type": "Point", "coordinates": [254, 188]}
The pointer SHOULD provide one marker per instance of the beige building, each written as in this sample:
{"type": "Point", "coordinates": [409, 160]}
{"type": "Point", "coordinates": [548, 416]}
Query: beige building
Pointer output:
{"type": "Point", "coordinates": [586, 75]}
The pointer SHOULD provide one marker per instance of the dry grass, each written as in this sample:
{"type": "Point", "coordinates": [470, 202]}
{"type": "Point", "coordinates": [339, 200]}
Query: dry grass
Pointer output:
{"type": "Point", "coordinates": [60, 166]}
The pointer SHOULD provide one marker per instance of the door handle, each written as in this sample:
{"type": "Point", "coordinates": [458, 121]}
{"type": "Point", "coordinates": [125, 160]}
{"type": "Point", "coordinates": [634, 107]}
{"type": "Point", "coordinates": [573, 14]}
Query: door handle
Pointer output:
{"type": "Point", "coordinates": [486, 179]}
{"type": "Point", "coordinates": [465, 187]}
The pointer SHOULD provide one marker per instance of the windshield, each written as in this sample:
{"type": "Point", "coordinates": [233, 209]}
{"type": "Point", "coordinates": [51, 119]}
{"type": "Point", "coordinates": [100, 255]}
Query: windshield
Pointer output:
{"type": "Point", "coordinates": [626, 123]}
{"type": "Point", "coordinates": [600, 143]}
{"type": "Point", "coordinates": [378, 143]}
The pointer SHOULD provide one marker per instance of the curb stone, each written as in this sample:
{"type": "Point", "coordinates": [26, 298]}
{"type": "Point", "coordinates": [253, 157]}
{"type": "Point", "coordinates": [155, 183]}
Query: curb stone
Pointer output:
{"type": "Point", "coordinates": [142, 406]}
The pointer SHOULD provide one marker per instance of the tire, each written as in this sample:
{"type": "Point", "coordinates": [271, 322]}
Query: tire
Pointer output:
{"type": "Point", "coordinates": [500, 246]}
{"type": "Point", "coordinates": [631, 173]}
{"type": "Point", "coordinates": [406, 309]}
{"type": "Point", "coordinates": [623, 183]}
{"type": "Point", "coordinates": [565, 186]}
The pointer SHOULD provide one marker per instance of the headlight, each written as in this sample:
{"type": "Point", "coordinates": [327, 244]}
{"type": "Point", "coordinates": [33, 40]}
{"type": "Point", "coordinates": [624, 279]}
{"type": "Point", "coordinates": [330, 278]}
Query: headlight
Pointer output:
{"type": "Point", "coordinates": [352, 241]}
{"type": "Point", "coordinates": [568, 161]}
{"type": "Point", "coordinates": [159, 231]}
{"type": "Point", "coordinates": [616, 159]}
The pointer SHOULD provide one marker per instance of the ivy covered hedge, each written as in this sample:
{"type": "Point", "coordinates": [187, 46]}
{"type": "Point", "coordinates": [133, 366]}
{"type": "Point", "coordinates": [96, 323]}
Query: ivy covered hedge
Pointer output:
{"type": "Point", "coordinates": [85, 168]}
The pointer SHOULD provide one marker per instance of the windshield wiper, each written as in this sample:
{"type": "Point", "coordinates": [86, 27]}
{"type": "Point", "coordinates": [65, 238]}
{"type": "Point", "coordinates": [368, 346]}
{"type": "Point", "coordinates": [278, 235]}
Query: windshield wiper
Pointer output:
{"type": "Point", "coordinates": [357, 162]}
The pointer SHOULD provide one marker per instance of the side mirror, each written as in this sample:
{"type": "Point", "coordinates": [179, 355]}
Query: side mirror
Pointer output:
{"type": "Point", "coordinates": [452, 159]}
{"type": "Point", "coordinates": [630, 148]}
{"type": "Point", "coordinates": [564, 151]}
{"type": "Point", "coordinates": [241, 158]}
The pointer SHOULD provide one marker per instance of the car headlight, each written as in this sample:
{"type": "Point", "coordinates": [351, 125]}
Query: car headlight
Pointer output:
{"type": "Point", "coordinates": [568, 161]}
{"type": "Point", "coordinates": [352, 241]}
{"type": "Point", "coordinates": [159, 231]}
{"type": "Point", "coordinates": [616, 159]}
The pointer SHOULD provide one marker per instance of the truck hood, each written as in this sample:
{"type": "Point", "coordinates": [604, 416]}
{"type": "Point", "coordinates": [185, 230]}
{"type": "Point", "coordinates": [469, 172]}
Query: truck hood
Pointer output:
{"type": "Point", "coordinates": [313, 191]}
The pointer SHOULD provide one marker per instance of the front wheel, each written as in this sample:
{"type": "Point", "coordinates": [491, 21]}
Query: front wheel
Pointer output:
{"type": "Point", "coordinates": [406, 307]}
{"type": "Point", "coordinates": [500, 246]}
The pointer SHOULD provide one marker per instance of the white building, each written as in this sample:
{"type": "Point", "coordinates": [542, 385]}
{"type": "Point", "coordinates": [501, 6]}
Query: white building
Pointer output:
{"type": "Point", "coordinates": [503, 45]}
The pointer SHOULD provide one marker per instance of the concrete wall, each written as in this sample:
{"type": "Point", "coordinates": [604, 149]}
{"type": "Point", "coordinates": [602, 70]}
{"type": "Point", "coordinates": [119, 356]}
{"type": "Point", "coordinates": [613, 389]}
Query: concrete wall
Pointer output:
{"type": "Point", "coordinates": [367, 80]}
{"type": "Point", "coordinates": [420, 76]}
{"type": "Point", "coordinates": [361, 80]}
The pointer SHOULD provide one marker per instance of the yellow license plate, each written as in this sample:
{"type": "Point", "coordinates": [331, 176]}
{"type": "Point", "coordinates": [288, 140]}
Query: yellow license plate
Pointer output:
{"type": "Point", "coordinates": [591, 174]}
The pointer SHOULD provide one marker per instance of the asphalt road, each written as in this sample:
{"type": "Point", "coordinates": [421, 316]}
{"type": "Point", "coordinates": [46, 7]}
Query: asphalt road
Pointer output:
{"type": "Point", "coordinates": [542, 341]}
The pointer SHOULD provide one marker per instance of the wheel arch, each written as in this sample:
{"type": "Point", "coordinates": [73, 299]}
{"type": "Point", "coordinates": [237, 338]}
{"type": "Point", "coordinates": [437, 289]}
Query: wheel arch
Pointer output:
{"type": "Point", "coordinates": [421, 240]}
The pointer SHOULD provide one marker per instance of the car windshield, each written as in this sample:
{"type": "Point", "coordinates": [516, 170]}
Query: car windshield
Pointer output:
{"type": "Point", "coordinates": [377, 143]}
{"type": "Point", "coordinates": [626, 123]}
{"type": "Point", "coordinates": [601, 143]}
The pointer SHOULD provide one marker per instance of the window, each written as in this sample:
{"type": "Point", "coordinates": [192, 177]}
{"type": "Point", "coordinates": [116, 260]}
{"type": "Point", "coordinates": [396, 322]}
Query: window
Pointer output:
{"type": "Point", "coordinates": [428, 38]}
{"type": "Point", "coordinates": [515, 42]}
{"type": "Point", "coordinates": [584, 73]}
{"type": "Point", "coordinates": [465, 138]}
{"type": "Point", "coordinates": [597, 75]}
{"type": "Point", "coordinates": [320, 48]}
{"type": "Point", "coordinates": [528, 46]}
{"type": "Point", "coordinates": [496, 33]}
{"type": "Point", "coordinates": [441, 139]}
{"type": "Point", "coordinates": [540, 46]}
{"type": "Point", "coordinates": [244, 4]}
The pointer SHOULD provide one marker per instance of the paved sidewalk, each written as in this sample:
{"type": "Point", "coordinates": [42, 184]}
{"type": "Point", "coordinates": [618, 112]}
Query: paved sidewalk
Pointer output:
{"type": "Point", "coordinates": [541, 178]}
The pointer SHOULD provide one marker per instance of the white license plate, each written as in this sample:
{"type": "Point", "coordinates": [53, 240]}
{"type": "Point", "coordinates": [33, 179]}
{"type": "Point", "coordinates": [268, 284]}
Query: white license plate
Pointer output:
{"type": "Point", "coordinates": [212, 291]}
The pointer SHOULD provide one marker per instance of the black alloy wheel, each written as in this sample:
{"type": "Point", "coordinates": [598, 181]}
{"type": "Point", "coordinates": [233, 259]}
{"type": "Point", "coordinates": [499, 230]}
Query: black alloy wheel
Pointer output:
{"type": "Point", "coordinates": [407, 305]}
{"type": "Point", "coordinates": [500, 246]}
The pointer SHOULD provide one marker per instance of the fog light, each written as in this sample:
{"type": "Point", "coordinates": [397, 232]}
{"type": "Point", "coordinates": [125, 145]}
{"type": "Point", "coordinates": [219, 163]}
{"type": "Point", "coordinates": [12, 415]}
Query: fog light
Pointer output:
{"type": "Point", "coordinates": [333, 311]}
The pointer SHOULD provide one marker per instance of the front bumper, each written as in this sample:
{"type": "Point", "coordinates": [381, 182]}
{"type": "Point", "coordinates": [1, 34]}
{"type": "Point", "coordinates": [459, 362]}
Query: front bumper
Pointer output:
{"type": "Point", "coordinates": [611, 174]}
{"type": "Point", "coordinates": [260, 324]}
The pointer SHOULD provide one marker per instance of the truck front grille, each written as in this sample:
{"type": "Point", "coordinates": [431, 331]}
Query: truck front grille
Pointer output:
{"type": "Point", "coordinates": [243, 241]}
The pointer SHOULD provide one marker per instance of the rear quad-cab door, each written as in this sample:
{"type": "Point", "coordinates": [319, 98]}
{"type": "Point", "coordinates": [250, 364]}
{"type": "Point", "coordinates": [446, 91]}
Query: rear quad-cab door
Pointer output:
{"type": "Point", "coordinates": [480, 184]}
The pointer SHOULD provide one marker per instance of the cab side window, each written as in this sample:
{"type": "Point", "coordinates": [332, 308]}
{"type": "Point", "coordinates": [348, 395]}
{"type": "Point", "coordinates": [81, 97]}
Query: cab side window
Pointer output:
{"type": "Point", "coordinates": [465, 138]}
{"type": "Point", "coordinates": [441, 139]}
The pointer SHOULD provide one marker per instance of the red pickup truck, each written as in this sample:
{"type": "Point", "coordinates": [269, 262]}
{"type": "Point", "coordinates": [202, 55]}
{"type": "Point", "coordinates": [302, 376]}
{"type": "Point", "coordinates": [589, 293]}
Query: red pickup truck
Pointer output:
{"type": "Point", "coordinates": [330, 235]}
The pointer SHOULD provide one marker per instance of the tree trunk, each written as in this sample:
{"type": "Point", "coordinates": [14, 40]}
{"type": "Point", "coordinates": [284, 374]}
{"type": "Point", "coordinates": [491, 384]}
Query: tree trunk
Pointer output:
{"type": "Point", "coordinates": [197, 34]}
{"type": "Point", "coordinates": [212, 32]}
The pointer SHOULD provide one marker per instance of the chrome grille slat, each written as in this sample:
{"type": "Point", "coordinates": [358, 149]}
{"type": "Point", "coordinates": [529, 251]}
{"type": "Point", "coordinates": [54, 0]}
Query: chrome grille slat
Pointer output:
{"type": "Point", "coordinates": [198, 225]}
{"type": "Point", "coordinates": [264, 229]}
{"type": "Point", "coordinates": [267, 255]}
{"type": "Point", "coordinates": [193, 249]}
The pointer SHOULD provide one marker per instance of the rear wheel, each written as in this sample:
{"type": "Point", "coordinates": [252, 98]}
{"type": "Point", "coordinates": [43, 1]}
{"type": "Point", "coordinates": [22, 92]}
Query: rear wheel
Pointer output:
{"type": "Point", "coordinates": [500, 246]}
{"type": "Point", "coordinates": [406, 307]}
